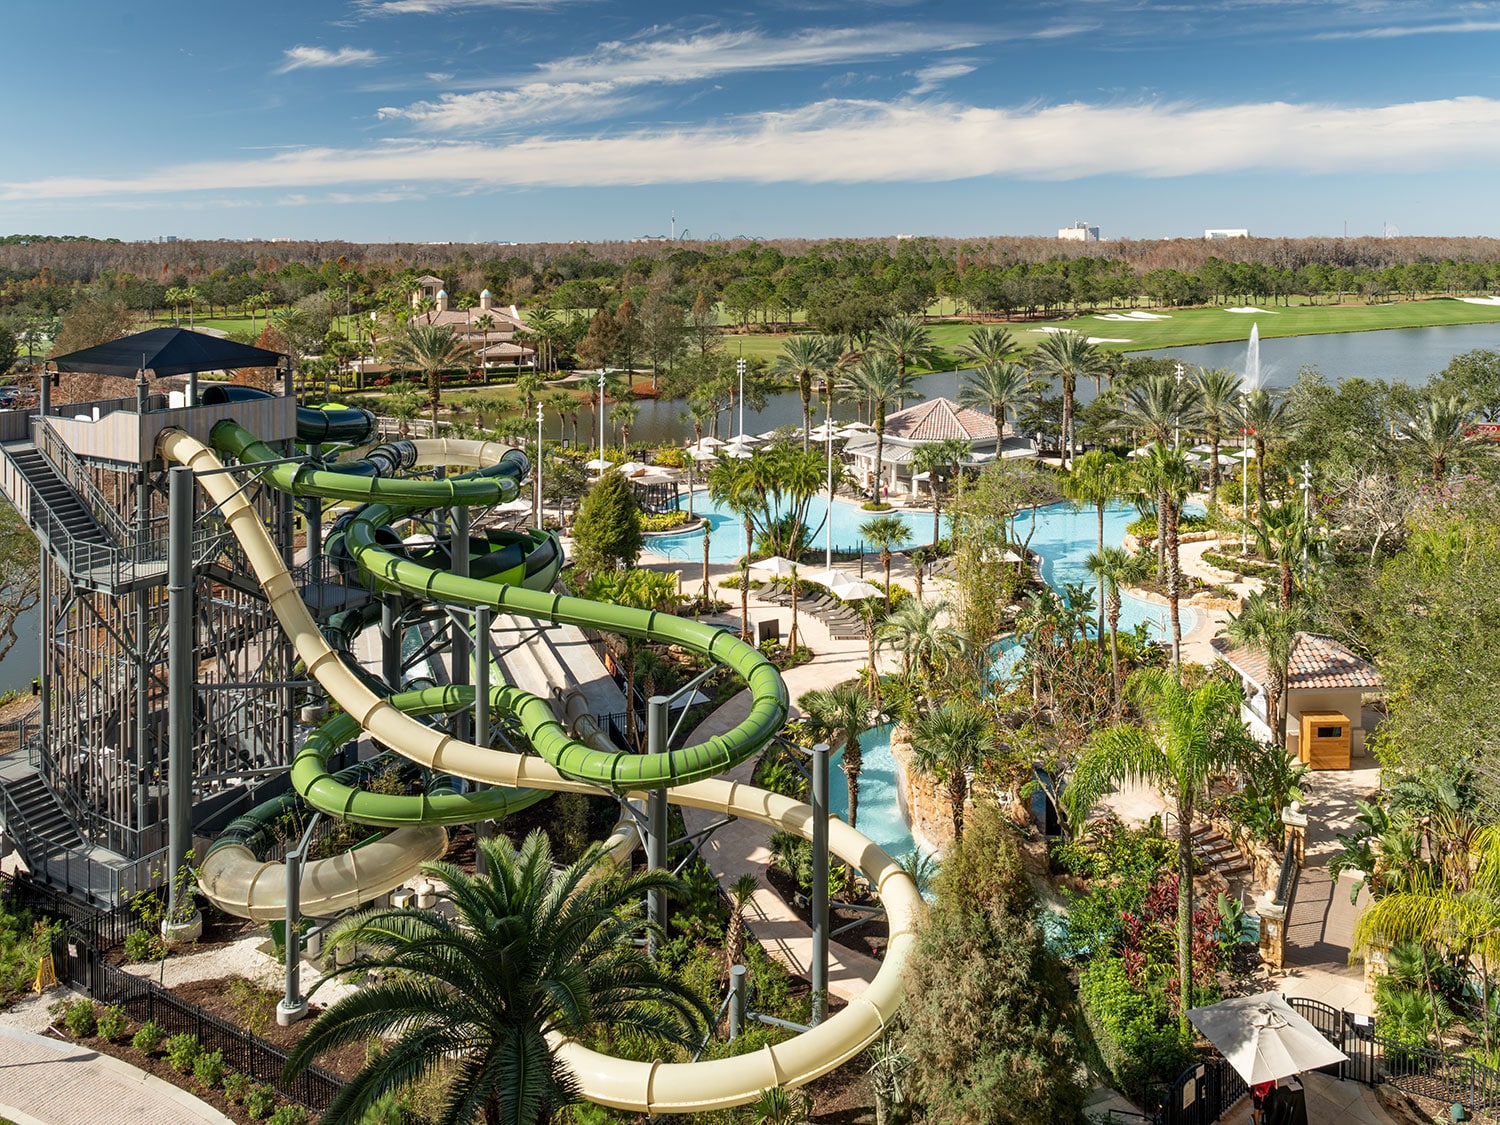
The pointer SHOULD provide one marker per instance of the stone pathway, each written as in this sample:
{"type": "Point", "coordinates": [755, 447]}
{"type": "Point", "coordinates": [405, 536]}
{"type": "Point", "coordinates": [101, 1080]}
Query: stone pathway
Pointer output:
{"type": "Point", "coordinates": [47, 1082]}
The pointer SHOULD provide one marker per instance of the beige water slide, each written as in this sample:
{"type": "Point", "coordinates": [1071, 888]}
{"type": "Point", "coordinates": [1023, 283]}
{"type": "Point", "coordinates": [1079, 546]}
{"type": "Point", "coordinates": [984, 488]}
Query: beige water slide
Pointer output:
{"type": "Point", "coordinates": [639, 1087]}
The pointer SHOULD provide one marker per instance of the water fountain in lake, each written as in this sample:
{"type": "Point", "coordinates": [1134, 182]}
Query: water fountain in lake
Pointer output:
{"type": "Point", "coordinates": [1252, 358]}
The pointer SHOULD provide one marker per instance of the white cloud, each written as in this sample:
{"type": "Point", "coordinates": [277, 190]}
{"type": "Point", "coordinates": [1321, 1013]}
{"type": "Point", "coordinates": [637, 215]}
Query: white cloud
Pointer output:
{"type": "Point", "coordinates": [931, 77]}
{"type": "Point", "coordinates": [438, 7]}
{"type": "Point", "coordinates": [845, 141]}
{"type": "Point", "coordinates": [527, 106]}
{"type": "Point", "coordinates": [1400, 31]}
{"type": "Point", "coordinates": [299, 57]}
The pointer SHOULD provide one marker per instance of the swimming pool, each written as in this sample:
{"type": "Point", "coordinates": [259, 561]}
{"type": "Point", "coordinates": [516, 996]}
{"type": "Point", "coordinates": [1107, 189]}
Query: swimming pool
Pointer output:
{"type": "Point", "coordinates": [879, 805]}
{"type": "Point", "coordinates": [727, 542]}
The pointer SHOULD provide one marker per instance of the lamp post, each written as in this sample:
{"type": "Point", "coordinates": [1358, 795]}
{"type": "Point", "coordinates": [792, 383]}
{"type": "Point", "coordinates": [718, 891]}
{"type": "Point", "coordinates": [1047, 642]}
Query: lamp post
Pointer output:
{"type": "Point", "coordinates": [1177, 421]}
{"type": "Point", "coordinates": [538, 471]}
{"type": "Point", "coordinates": [601, 419]}
{"type": "Point", "coordinates": [739, 367]}
{"type": "Point", "coordinates": [1244, 474]}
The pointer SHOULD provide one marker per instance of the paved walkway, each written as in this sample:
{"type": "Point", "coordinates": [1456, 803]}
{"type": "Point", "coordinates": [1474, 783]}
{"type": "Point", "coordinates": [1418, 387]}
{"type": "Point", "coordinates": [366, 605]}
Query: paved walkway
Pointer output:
{"type": "Point", "coordinates": [740, 847]}
{"type": "Point", "coordinates": [47, 1082]}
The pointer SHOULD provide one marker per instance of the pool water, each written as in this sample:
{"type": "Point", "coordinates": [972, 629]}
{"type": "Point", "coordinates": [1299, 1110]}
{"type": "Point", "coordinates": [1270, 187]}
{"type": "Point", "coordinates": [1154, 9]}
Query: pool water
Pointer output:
{"type": "Point", "coordinates": [727, 530]}
{"type": "Point", "coordinates": [879, 806]}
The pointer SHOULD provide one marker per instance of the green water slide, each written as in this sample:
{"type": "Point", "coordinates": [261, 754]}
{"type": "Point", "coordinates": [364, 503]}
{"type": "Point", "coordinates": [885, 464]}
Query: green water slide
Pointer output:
{"type": "Point", "coordinates": [383, 568]}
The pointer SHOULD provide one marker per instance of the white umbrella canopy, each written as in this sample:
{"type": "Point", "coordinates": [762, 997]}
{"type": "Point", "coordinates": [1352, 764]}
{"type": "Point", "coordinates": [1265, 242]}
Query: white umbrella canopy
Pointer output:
{"type": "Point", "coordinates": [703, 455]}
{"type": "Point", "coordinates": [827, 577]}
{"type": "Point", "coordinates": [775, 564]}
{"type": "Point", "coordinates": [598, 463]}
{"type": "Point", "coordinates": [856, 589]}
{"type": "Point", "coordinates": [631, 468]}
{"type": "Point", "coordinates": [519, 504]}
{"type": "Point", "coordinates": [1263, 1039]}
{"type": "Point", "coordinates": [1248, 453]}
{"type": "Point", "coordinates": [857, 427]}
{"type": "Point", "coordinates": [707, 442]}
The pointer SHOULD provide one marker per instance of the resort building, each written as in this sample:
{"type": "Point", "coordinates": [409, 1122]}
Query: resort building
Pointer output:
{"type": "Point", "coordinates": [1079, 232]}
{"type": "Point", "coordinates": [489, 329]}
{"type": "Point", "coordinates": [1325, 715]}
{"type": "Point", "coordinates": [938, 419]}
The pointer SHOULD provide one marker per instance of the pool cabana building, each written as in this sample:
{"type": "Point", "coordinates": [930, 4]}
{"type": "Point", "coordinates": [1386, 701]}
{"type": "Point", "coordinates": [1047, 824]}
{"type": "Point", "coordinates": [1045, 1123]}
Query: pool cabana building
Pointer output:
{"type": "Point", "coordinates": [906, 431]}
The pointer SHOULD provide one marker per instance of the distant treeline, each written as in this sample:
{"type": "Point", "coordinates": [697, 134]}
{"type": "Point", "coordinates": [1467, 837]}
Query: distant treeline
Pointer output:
{"type": "Point", "coordinates": [827, 282]}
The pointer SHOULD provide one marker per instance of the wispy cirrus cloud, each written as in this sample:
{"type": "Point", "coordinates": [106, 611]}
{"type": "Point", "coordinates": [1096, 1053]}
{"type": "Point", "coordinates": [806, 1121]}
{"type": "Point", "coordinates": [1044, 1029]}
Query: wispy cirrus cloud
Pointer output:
{"type": "Point", "coordinates": [605, 80]}
{"type": "Point", "coordinates": [1401, 31]}
{"type": "Point", "coordinates": [931, 77]}
{"type": "Point", "coordinates": [299, 57]}
{"type": "Point", "coordinates": [439, 7]}
{"type": "Point", "coordinates": [847, 141]}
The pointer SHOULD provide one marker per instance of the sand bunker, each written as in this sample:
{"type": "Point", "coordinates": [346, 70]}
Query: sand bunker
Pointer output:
{"type": "Point", "coordinates": [1480, 300]}
{"type": "Point", "coordinates": [1251, 309]}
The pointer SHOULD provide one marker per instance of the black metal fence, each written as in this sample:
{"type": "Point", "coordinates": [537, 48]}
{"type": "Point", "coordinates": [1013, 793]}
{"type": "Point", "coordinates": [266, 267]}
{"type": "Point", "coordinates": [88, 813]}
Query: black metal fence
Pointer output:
{"type": "Point", "coordinates": [78, 957]}
{"type": "Point", "coordinates": [1204, 1093]}
{"type": "Point", "coordinates": [244, 1052]}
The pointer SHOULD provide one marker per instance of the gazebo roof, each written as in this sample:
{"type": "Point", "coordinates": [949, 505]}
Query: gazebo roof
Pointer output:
{"type": "Point", "coordinates": [1318, 663]}
{"type": "Point", "coordinates": [940, 419]}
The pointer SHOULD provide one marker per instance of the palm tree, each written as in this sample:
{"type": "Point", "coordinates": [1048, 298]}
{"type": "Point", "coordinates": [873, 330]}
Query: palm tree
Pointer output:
{"type": "Point", "coordinates": [1263, 624]}
{"type": "Point", "coordinates": [878, 379]}
{"type": "Point", "coordinates": [996, 387]}
{"type": "Point", "coordinates": [533, 953]}
{"type": "Point", "coordinates": [625, 416]}
{"type": "Point", "coordinates": [1171, 477]}
{"type": "Point", "coordinates": [1440, 433]}
{"type": "Point", "coordinates": [741, 894]}
{"type": "Point", "coordinates": [927, 647]}
{"type": "Point", "coordinates": [776, 1105]}
{"type": "Point", "coordinates": [803, 359]}
{"type": "Point", "coordinates": [885, 534]}
{"type": "Point", "coordinates": [1096, 478]}
{"type": "Point", "coordinates": [989, 345]}
{"type": "Point", "coordinates": [529, 383]}
{"type": "Point", "coordinates": [839, 715]}
{"type": "Point", "coordinates": [908, 341]}
{"type": "Point", "coordinates": [1113, 567]}
{"type": "Point", "coordinates": [1283, 536]}
{"type": "Point", "coordinates": [732, 483]}
{"type": "Point", "coordinates": [1218, 412]}
{"type": "Point", "coordinates": [430, 351]}
{"type": "Point", "coordinates": [1266, 419]}
{"type": "Point", "coordinates": [1185, 736]}
{"type": "Point", "coordinates": [1461, 917]}
{"type": "Point", "coordinates": [938, 459]}
{"type": "Point", "coordinates": [1066, 357]}
{"type": "Point", "coordinates": [950, 742]}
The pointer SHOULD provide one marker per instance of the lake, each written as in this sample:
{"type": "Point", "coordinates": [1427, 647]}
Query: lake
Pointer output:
{"type": "Point", "coordinates": [1407, 355]}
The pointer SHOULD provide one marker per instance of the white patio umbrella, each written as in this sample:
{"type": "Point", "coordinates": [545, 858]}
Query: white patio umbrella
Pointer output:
{"type": "Point", "coordinates": [703, 455]}
{"type": "Point", "coordinates": [519, 504]}
{"type": "Point", "coordinates": [598, 463]}
{"type": "Point", "coordinates": [767, 436]}
{"type": "Point", "coordinates": [739, 452]}
{"type": "Point", "coordinates": [1263, 1038]}
{"type": "Point", "coordinates": [857, 427]}
{"type": "Point", "coordinates": [1248, 453]}
{"type": "Point", "coordinates": [707, 442]}
{"type": "Point", "coordinates": [1011, 557]}
{"type": "Point", "coordinates": [856, 589]}
{"type": "Point", "coordinates": [783, 568]}
{"type": "Point", "coordinates": [631, 468]}
{"type": "Point", "coordinates": [827, 577]}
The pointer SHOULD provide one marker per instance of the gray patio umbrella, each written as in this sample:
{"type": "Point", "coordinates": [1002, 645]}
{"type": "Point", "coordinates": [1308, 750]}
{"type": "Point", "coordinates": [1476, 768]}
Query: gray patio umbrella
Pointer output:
{"type": "Point", "coordinates": [1262, 1038]}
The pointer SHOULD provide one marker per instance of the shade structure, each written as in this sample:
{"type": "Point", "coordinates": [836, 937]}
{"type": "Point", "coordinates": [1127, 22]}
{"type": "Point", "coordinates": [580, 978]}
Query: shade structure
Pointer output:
{"type": "Point", "coordinates": [856, 590]}
{"type": "Point", "coordinates": [735, 449]}
{"type": "Point", "coordinates": [766, 436]}
{"type": "Point", "coordinates": [826, 577]}
{"type": "Point", "coordinates": [1263, 1039]}
{"type": "Point", "coordinates": [166, 351]}
{"type": "Point", "coordinates": [1248, 453]}
{"type": "Point", "coordinates": [703, 455]}
{"type": "Point", "coordinates": [598, 463]}
{"type": "Point", "coordinates": [857, 427]}
{"type": "Point", "coordinates": [777, 565]}
{"type": "Point", "coordinates": [708, 441]}
{"type": "Point", "coordinates": [824, 432]}
{"type": "Point", "coordinates": [631, 468]}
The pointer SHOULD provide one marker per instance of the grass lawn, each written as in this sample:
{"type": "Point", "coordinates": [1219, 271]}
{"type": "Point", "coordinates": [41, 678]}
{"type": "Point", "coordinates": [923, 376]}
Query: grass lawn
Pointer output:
{"type": "Point", "coordinates": [1193, 326]}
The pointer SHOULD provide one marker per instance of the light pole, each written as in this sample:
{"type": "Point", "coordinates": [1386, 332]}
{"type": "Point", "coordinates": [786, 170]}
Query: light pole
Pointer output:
{"type": "Point", "coordinates": [538, 471]}
{"type": "Point", "coordinates": [1177, 421]}
{"type": "Point", "coordinates": [601, 419]}
{"type": "Point", "coordinates": [1244, 474]}
{"type": "Point", "coordinates": [739, 366]}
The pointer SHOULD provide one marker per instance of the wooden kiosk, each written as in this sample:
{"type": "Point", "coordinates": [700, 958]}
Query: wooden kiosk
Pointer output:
{"type": "Point", "coordinates": [1324, 742]}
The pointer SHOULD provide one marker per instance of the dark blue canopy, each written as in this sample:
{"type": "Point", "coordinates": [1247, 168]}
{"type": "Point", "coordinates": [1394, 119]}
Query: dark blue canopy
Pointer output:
{"type": "Point", "coordinates": [166, 351]}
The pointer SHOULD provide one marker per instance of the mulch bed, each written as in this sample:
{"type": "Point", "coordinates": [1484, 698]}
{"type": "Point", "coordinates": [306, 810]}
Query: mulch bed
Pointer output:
{"type": "Point", "coordinates": [219, 930]}
{"type": "Point", "coordinates": [871, 938]}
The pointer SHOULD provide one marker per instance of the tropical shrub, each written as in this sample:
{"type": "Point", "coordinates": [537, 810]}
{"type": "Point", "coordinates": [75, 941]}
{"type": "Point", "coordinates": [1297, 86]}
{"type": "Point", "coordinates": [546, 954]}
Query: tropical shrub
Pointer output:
{"type": "Point", "coordinates": [1138, 1038]}
{"type": "Point", "coordinates": [208, 1068]}
{"type": "Point", "coordinates": [112, 1022]}
{"type": "Point", "coordinates": [182, 1052]}
{"type": "Point", "coordinates": [663, 521]}
{"type": "Point", "coordinates": [236, 1086]}
{"type": "Point", "coordinates": [79, 1019]}
{"type": "Point", "coordinates": [289, 1115]}
{"type": "Point", "coordinates": [148, 1037]}
{"type": "Point", "coordinates": [260, 1100]}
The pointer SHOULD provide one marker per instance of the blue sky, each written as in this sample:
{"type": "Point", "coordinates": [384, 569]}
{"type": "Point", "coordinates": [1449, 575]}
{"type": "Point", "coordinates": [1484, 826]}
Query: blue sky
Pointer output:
{"type": "Point", "coordinates": [523, 120]}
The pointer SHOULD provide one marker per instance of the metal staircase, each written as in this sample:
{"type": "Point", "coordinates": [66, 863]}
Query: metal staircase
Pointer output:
{"type": "Point", "coordinates": [74, 533]}
{"type": "Point", "coordinates": [30, 802]}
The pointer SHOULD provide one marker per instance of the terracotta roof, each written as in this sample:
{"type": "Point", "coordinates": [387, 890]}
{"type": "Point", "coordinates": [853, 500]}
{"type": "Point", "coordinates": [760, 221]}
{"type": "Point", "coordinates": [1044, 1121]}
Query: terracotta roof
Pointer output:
{"type": "Point", "coordinates": [940, 419]}
{"type": "Point", "coordinates": [1318, 662]}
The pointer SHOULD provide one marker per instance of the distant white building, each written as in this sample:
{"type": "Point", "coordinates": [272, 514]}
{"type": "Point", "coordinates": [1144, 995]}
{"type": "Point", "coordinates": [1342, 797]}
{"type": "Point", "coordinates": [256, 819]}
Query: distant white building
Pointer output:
{"type": "Point", "coordinates": [1225, 232]}
{"type": "Point", "coordinates": [1079, 232]}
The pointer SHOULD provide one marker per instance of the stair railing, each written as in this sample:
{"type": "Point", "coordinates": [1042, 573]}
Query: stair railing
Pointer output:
{"type": "Point", "coordinates": [75, 475]}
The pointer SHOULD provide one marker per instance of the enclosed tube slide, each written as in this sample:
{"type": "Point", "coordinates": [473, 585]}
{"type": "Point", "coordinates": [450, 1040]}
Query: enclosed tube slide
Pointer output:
{"type": "Point", "coordinates": [640, 1087]}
